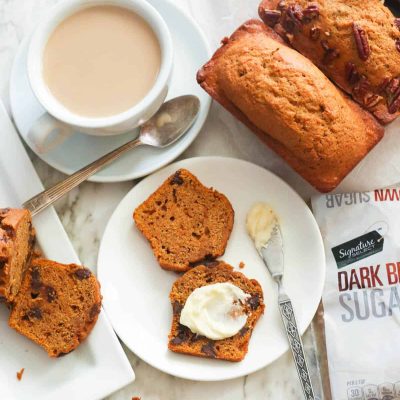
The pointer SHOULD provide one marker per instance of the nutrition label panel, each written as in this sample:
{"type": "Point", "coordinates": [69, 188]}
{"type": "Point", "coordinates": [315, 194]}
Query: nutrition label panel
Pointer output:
{"type": "Point", "coordinates": [383, 391]}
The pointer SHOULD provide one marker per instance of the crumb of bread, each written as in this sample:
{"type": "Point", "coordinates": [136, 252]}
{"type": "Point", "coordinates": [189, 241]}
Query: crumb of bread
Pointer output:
{"type": "Point", "coordinates": [37, 253]}
{"type": "Point", "coordinates": [242, 265]}
{"type": "Point", "coordinates": [20, 373]}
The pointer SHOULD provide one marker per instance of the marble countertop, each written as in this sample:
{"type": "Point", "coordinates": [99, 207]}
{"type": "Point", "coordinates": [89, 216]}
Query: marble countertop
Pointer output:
{"type": "Point", "coordinates": [86, 210]}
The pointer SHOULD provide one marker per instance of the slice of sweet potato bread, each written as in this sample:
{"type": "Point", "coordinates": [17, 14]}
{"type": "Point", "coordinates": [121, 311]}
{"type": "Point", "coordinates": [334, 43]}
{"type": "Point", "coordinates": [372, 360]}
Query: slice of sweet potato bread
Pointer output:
{"type": "Point", "coordinates": [57, 306]}
{"type": "Point", "coordinates": [17, 240]}
{"type": "Point", "coordinates": [182, 340]}
{"type": "Point", "coordinates": [185, 222]}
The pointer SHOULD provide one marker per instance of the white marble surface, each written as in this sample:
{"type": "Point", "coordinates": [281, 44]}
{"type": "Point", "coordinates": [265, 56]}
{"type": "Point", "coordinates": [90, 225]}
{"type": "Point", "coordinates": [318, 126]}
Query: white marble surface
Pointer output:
{"type": "Point", "coordinates": [86, 210]}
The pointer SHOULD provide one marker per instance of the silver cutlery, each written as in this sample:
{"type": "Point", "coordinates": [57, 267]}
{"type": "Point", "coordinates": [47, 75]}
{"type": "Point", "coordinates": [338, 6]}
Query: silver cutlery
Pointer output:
{"type": "Point", "coordinates": [272, 255]}
{"type": "Point", "coordinates": [170, 122]}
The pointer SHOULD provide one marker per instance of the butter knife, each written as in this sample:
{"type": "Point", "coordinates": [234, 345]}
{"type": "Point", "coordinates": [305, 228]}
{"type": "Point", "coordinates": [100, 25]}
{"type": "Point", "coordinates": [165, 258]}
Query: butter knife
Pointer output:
{"type": "Point", "coordinates": [272, 255]}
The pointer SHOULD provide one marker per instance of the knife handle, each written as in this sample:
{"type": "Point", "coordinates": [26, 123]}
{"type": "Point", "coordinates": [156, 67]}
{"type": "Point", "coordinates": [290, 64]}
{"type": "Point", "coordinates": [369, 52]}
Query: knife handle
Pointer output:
{"type": "Point", "coordinates": [296, 345]}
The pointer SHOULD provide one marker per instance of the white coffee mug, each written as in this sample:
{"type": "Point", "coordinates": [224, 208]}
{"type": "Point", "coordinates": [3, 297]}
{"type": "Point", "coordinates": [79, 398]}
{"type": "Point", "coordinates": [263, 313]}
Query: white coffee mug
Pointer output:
{"type": "Point", "coordinates": [59, 122]}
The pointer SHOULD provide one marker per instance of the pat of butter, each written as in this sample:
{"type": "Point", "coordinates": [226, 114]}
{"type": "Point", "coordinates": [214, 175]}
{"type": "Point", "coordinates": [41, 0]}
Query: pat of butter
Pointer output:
{"type": "Point", "coordinates": [260, 223]}
{"type": "Point", "coordinates": [215, 311]}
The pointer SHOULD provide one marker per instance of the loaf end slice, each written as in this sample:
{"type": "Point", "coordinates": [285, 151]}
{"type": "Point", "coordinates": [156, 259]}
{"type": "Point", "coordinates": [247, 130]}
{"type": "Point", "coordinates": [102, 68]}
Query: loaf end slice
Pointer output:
{"type": "Point", "coordinates": [17, 239]}
{"type": "Point", "coordinates": [182, 340]}
{"type": "Point", "coordinates": [57, 306]}
{"type": "Point", "coordinates": [185, 222]}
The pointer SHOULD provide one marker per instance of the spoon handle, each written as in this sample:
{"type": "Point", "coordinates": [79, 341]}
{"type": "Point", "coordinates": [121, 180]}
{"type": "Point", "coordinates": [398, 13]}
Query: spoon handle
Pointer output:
{"type": "Point", "coordinates": [49, 196]}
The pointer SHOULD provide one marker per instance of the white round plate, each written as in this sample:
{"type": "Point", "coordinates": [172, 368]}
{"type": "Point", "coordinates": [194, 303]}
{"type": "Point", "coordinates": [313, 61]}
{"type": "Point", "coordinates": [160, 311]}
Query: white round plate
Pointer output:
{"type": "Point", "coordinates": [191, 51]}
{"type": "Point", "coordinates": [135, 289]}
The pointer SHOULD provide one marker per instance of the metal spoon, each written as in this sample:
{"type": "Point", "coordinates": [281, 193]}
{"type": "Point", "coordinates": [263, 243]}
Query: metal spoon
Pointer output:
{"type": "Point", "coordinates": [169, 123]}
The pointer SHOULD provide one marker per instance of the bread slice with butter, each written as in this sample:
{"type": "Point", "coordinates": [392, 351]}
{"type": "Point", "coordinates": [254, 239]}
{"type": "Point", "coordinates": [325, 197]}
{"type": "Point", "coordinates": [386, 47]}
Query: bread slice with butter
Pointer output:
{"type": "Point", "coordinates": [183, 340]}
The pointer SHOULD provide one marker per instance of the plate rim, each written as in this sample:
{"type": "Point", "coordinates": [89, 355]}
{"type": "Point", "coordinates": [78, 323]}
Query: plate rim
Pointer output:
{"type": "Point", "coordinates": [321, 283]}
{"type": "Point", "coordinates": [202, 117]}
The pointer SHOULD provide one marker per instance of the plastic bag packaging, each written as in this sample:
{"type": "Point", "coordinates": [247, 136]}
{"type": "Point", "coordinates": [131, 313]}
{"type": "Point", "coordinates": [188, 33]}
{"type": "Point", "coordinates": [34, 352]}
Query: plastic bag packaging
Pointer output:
{"type": "Point", "coordinates": [361, 299]}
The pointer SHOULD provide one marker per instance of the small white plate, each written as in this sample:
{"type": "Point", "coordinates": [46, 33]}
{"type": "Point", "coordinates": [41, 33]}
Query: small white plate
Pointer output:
{"type": "Point", "coordinates": [191, 51]}
{"type": "Point", "coordinates": [136, 289]}
{"type": "Point", "coordinates": [99, 366]}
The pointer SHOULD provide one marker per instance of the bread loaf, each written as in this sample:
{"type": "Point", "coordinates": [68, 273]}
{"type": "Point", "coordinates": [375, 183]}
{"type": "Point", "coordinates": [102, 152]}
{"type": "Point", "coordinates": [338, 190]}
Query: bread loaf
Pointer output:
{"type": "Point", "coordinates": [355, 43]}
{"type": "Point", "coordinates": [290, 104]}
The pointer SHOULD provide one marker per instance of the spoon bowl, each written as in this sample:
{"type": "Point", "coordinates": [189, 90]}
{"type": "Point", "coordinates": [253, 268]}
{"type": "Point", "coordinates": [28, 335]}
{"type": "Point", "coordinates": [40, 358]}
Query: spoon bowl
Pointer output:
{"type": "Point", "coordinates": [170, 122]}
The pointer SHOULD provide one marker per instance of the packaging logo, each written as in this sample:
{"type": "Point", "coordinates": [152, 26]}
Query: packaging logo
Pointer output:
{"type": "Point", "coordinates": [358, 248]}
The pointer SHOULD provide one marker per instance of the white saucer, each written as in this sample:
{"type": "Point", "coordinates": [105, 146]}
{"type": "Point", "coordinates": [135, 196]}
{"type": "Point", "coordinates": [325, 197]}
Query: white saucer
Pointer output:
{"type": "Point", "coordinates": [135, 289]}
{"type": "Point", "coordinates": [191, 51]}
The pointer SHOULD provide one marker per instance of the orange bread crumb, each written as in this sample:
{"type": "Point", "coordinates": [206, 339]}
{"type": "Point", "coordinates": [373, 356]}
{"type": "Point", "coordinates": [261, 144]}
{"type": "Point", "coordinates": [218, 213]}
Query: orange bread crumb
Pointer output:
{"type": "Point", "coordinates": [20, 373]}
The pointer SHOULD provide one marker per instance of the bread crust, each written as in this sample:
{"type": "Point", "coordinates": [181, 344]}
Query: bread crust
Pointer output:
{"type": "Point", "coordinates": [352, 139]}
{"type": "Point", "coordinates": [182, 340]}
{"type": "Point", "coordinates": [335, 25]}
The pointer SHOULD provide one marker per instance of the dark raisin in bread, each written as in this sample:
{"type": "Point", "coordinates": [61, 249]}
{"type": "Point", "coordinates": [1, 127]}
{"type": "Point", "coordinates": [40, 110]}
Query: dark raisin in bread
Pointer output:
{"type": "Point", "coordinates": [182, 340]}
{"type": "Point", "coordinates": [57, 306]}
